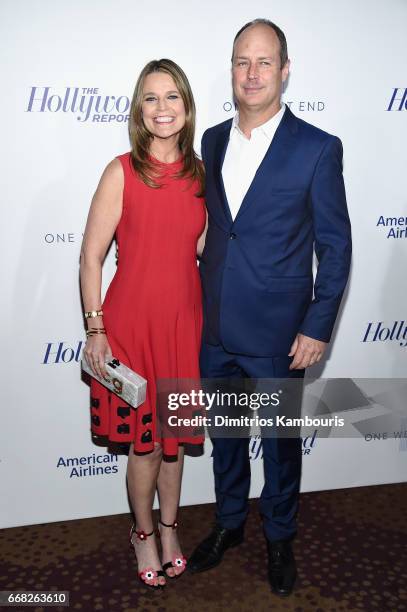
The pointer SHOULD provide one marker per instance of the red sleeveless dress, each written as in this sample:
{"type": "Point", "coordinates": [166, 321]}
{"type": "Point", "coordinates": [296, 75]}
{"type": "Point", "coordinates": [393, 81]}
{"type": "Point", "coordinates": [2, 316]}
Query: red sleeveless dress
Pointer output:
{"type": "Point", "coordinates": [152, 311]}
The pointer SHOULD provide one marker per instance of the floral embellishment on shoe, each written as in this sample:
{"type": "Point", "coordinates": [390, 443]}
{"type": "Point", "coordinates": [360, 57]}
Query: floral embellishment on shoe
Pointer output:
{"type": "Point", "coordinates": [179, 561]}
{"type": "Point", "coordinates": [148, 575]}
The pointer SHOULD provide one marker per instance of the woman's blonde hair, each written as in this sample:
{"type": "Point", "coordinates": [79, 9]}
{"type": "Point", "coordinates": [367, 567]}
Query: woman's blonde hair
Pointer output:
{"type": "Point", "coordinates": [140, 137]}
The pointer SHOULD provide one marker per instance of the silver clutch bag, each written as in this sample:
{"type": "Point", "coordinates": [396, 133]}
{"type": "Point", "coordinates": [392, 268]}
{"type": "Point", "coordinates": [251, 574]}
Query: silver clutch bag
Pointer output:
{"type": "Point", "coordinates": [122, 381]}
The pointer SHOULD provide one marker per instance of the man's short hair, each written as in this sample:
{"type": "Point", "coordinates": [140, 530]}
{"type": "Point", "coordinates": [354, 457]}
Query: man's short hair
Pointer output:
{"type": "Point", "coordinates": [280, 35]}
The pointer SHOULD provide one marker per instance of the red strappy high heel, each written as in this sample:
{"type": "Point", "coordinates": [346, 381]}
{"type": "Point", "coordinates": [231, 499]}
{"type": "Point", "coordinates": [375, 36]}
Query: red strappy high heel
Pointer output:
{"type": "Point", "coordinates": [178, 560]}
{"type": "Point", "coordinates": [148, 574]}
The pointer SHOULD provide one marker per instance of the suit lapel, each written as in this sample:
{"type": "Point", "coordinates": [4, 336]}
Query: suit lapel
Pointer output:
{"type": "Point", "coordinates": [276, 155]}
{"type": "Point", "coordinates": [220, 151]}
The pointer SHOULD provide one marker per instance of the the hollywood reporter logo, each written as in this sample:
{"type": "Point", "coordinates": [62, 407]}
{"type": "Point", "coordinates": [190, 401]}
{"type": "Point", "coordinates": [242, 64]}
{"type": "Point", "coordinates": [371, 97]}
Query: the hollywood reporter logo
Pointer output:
{"type": "Point", "coordinates": [84, 102]}
{"type": "Point", "coordinates": [62, 352]}
{"type": "Point", "coordinates": [308, 443]}
{"type": "Point", "coordinates": [398, 101]}
{"type": "Point", "coordinates": [381, 332]}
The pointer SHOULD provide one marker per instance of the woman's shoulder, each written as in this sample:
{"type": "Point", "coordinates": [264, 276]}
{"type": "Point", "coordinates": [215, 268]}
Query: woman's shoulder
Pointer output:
{"type": "Point", "coordinates": [121, 165]}
{"type": "Point", "coordinates": [113, 175]}
{"type": "Point", "coordinates": [124, 157]}
{"type": "Point", "coordinates": [124, 161]}
{"type": "Point", "coordinates": [115, 168]}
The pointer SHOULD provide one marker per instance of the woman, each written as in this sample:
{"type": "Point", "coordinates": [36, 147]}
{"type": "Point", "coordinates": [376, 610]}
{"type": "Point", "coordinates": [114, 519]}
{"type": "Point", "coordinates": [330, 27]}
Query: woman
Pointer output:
{"type": "Point", "coordinates": [151, 319]}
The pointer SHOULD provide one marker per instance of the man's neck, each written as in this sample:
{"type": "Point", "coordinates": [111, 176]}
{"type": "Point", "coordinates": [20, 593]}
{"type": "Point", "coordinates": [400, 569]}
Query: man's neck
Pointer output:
{"type": "Point", "coordinates": [249, 119]}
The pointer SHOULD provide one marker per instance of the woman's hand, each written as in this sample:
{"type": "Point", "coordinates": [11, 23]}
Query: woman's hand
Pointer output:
{"type": "Point", "coordinates": [96, 351]}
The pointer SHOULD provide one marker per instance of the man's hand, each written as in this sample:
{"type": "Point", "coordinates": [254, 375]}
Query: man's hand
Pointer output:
{"type": "Point", "coordinates": [306, 352]}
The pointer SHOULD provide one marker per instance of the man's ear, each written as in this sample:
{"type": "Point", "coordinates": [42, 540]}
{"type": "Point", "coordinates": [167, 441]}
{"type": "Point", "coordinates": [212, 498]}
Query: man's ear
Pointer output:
{"type": "Point", "coordinates": [285, 71]}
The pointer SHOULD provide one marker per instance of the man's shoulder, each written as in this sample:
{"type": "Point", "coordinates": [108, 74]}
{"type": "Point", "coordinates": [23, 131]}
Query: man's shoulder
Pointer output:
{"type": "Point", "coordinates": [218, 128]}
{"type": "Point", "coordinates": [311, 132]}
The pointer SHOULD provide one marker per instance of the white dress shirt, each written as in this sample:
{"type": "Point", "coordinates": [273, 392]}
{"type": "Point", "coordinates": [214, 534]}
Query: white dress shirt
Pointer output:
{"type": "Point", "coordinates": [244, 156]}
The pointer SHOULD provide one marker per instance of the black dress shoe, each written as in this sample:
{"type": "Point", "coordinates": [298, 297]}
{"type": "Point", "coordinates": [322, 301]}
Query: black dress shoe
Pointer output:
{"type": "Point", "coordinates": [282, 570]}
{"type": "Point", "coordinates": [210, 551]}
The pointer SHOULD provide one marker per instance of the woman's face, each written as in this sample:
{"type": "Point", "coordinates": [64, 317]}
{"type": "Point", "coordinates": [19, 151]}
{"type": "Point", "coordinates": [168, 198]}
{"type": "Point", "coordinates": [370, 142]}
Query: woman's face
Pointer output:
{"type": "Point", "coordinates": [163, 108]}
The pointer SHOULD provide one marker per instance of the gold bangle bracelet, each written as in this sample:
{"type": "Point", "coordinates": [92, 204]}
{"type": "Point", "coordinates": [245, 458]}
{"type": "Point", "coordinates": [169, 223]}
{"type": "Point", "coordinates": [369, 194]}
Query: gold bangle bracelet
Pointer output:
{"type": "Point", "coordinates": [95, 332]}
{"type": "Point", "coordinates": [93, 313]}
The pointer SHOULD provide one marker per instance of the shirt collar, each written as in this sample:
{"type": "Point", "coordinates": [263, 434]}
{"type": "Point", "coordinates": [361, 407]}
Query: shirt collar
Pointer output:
{"type": "Point", "coordinates": [268, 128]}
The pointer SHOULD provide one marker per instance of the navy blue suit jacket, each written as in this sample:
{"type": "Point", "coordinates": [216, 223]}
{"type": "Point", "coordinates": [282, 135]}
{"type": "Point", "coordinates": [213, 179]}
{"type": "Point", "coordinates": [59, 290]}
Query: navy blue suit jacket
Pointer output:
{"type": "Point", "coordinates": [256, 271]}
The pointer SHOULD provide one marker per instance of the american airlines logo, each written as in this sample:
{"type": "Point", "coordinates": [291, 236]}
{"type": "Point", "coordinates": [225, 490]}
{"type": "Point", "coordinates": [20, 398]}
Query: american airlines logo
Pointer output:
{"type": "Point", "coordinates": [394, 227]}
{"type": "Point", "coordinates": [89, 465]}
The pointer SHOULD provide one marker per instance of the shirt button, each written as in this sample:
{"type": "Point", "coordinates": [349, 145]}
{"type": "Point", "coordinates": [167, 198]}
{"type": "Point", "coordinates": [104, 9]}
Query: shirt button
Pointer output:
{"type": "Point", "coordinates": [232, 236]}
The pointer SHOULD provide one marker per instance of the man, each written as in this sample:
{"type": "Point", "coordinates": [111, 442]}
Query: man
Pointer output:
{"type": "Point", "coordinates": [275, 194]}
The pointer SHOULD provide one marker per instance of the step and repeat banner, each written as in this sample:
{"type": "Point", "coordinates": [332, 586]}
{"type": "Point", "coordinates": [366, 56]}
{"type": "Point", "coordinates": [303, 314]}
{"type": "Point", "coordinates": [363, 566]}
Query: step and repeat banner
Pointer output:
{"type": "Point", "coordinates": [68, 74]}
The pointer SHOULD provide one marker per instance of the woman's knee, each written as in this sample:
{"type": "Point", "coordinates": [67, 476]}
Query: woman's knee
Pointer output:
{"type": "Point", "coordinates": [158, 451]}
{"type": "Point", "coordinates": [151, 457]}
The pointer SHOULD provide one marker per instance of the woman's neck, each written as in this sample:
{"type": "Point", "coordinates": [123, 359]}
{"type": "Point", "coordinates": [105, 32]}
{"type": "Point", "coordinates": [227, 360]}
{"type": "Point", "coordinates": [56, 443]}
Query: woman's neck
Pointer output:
{"type": "Point", "coordinates": [166, 151]}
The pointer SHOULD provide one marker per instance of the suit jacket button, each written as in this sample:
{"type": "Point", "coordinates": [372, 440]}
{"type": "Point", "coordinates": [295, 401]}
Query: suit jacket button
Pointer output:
{"type": "Point", "coordinates": [232, 236]}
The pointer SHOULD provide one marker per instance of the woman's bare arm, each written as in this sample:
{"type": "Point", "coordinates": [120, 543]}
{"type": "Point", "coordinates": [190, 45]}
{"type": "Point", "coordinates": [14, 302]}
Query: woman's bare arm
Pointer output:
{"type": "Point", "coordinates": [104, 216]}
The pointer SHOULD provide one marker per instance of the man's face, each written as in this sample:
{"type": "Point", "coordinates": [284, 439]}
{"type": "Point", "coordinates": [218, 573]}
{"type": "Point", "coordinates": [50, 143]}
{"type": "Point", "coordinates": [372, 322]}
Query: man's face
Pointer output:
{"type": "Point", "coordinates": [257, 76]}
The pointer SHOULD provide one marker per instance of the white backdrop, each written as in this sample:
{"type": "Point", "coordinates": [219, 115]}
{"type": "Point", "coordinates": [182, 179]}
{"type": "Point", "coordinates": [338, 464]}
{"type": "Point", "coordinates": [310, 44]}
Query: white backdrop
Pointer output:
{"type": "Point", "coordinates": [348, 63]}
